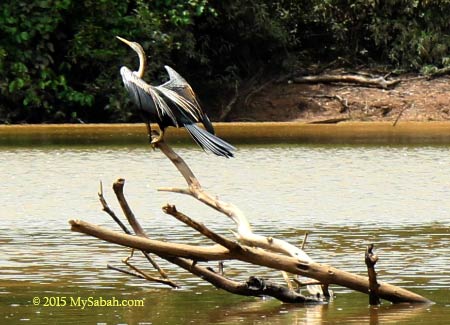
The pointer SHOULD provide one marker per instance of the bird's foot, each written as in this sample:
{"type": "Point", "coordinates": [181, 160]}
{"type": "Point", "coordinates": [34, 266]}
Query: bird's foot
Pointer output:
{"type": "Point", "coordinates": [156, 137]}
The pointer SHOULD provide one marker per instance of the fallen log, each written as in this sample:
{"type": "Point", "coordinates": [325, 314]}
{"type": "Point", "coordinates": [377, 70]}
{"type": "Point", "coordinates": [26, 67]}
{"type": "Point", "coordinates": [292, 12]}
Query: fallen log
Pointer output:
{"type": "Point", "coordinates": [323, 273]}
{"type": "Point", "coordinates": [379, 82]}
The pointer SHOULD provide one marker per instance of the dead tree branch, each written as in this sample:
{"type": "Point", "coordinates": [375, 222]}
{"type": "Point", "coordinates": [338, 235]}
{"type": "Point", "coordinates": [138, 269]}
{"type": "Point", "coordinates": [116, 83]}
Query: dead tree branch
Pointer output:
{"type": "Point", "coordinates": [323, 273]}
{"type": "Point", "coordinates": [229, 107]}
{"type": "Point", "coordinates": [118, 269]}
{"type": "Point", "coordinates": [247, 288]}
{"type": "Point", "coordinates": [371, 259]}
{"type": "Point", "coordinates": [379, 82]}
{"type": "Point", "coordinates": [244, 233]}
{"type": "Point", "coordinates": [108, 210]}
{"type": "Point", "coordinates": [251, 248]}
{"type": "Point", "coordinates": [172, 210]}
{"type": "Point", "coordinates": [118, 190]}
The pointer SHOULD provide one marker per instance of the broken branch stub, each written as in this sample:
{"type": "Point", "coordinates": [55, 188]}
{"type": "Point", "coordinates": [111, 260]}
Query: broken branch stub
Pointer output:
{"type": "Point", "coordinates": [371, 259]}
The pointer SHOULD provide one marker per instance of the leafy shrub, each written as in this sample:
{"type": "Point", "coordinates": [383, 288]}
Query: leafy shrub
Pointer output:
{"type": "Point", "coordinates": [59, 59]}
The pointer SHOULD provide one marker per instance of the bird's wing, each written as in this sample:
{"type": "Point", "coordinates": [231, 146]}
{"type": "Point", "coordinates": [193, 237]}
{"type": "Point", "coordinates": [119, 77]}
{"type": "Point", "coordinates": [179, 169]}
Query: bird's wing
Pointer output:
{"type": "Point", "coordinates": [145, 96]}
{"type": "Point", "coordinates": [186, 106]}
{"type": "Point", "coordinates": [179, 85]}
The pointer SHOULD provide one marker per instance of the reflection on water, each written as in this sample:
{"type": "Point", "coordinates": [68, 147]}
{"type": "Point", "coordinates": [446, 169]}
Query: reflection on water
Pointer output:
{"type": "Point", "coordinates": [347, 197]}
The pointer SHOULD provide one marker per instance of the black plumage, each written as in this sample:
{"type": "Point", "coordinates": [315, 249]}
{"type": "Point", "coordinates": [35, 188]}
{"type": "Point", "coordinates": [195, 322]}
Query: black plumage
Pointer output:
{"type": "Point", "coordinates": [173, 103]}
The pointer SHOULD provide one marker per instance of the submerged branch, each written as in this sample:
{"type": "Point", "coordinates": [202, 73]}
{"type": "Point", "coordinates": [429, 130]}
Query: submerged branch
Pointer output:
{"type": "Point", "coordinates": [323, 273]}
{"type": "Point", "coordinates": [252, 248]}
{"type": "Point", "coordinates": [371, 259]}
{"type": "Point", "coordinates": [118, 189]}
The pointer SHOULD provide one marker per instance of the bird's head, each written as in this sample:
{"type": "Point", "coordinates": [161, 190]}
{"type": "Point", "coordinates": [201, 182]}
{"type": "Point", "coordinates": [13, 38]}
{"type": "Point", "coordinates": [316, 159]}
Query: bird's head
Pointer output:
{"type": "Point", "coordinates": [135, 46]}
{"type": "Point", "coordinates": [140, 51]}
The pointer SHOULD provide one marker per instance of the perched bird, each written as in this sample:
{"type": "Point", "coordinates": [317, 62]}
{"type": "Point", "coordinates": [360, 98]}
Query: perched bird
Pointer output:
{"type": "Point", "coordinates": [173, 103]}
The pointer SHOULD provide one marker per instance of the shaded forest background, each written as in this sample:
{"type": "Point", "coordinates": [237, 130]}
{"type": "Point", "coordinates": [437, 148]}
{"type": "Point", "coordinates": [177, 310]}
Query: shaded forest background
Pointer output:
{"type": "Point", "coordinates": [59, 59]}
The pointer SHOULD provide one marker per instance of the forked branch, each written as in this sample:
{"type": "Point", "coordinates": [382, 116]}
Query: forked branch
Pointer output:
{"type": "Point", "coordinates": [323, 273]}
{"type": "Point", "coordinates": [248, 288]}
{"type": "Point", "coordinates": [244, 233]}
{"type": "Point", "coordinates": [275, 254]}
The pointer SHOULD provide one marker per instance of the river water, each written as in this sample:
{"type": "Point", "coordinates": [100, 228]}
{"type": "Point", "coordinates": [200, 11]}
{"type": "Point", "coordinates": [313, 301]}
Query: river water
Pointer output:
{"type": "Point", "coordinates": [346, 197]}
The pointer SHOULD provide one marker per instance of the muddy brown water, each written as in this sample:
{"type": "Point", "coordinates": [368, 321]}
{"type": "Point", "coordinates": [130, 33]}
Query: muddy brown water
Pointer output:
{"type": "Point", "coordinates": [394, 195]}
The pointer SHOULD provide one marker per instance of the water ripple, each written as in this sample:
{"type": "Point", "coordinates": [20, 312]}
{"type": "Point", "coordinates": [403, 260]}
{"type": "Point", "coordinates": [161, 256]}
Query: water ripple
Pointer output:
{"type": "Point", "coordinates": [346, 197]}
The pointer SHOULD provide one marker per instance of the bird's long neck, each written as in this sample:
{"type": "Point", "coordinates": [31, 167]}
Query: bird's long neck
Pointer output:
{"type": "Point", "coordinates": [142, 64]}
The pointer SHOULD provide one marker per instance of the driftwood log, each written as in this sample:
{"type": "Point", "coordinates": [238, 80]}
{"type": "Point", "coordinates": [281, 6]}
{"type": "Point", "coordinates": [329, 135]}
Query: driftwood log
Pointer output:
{"type": "Point", "coordinates": [249, 247]}
{"type": "Point", "coordinates": [378, 82]}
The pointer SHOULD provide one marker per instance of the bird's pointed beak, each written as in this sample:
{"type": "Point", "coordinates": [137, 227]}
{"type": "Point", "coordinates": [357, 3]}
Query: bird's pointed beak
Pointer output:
{"type": "Point", "coordinates": [124, 40]}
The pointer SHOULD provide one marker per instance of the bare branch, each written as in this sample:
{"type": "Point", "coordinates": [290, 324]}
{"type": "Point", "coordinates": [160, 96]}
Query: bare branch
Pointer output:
{"type": "Point", "coordinates": [171, 210]}
{"type": "Point", "coordinates": [379, 82]}
{"type": "Point", "coordinates": [148, 277]}
{"type": "Point", "coordinates": [118, 189]}
{"type": "Point", "coordinates": [371, 259]}
{"type": "Point", "coordinates": [111, 267]}
{"type": "Point", "coordinates": [107, 209]}
{"type": "Point", "coordinates": [323, 273]}
{"type": "Point", "coordinates": [244, 231]}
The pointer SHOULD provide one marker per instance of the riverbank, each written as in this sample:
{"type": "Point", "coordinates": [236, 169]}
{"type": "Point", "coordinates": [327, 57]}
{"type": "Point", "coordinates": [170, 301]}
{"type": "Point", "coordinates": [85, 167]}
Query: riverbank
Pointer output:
{"type": "Point", "coordinates": [414, 98]}
{"type": "Point", "coordinates": [237, 132]}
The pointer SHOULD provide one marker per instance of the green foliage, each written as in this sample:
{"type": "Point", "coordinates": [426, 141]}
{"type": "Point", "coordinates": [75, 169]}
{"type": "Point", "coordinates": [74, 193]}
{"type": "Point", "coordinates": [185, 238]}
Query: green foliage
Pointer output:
{"type": "Point", "coordinates": [31, 80]}
{"type": "Point", "coordinates": [407, 34]}
{"type": "Point", "coordinates": [59, 59]}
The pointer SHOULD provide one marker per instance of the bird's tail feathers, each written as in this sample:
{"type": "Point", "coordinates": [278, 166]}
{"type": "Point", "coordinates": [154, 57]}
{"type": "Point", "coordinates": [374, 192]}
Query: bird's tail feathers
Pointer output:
{"type": "Point", "coordinates": [208, 125]}
{"type": "Point", "coordinates": [209, 141]}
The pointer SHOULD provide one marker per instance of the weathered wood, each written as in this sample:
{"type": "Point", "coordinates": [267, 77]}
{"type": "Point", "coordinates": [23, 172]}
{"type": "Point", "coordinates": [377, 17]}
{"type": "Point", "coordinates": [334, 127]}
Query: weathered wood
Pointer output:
{"type": "Point", "coordinates": [218, 280]}
{"type": "Point", "coordinates": [379, 82]}
{"type": "Point", "coordinates": [371, 259]}
{"type": "Point", "coordinates": [242, 288]}
{"type": "Point", "coordinates": [118, 190]}
{"type": "Point", "coordinates": [323, 273]}
{"type": "Point", "coordinates": [111, 213]}
{"type": "Point", "coordinates": [225, 242]}
{"type": "Point", "coordinates": [134, 223]}
{"type": "Point", "coordinates": [244, 233]}
{"type": "Point", "coordinates": [292, 260]}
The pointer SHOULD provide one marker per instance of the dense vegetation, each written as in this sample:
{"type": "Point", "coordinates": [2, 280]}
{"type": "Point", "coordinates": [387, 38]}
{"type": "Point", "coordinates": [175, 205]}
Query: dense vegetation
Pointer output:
{"type": "Point", "coordinates": [59, 59]}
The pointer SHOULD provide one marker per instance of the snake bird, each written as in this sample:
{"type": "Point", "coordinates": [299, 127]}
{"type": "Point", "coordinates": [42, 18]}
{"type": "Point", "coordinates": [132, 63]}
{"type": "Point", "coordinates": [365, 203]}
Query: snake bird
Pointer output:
{"type": "Point", "coordinates": [173, 103]}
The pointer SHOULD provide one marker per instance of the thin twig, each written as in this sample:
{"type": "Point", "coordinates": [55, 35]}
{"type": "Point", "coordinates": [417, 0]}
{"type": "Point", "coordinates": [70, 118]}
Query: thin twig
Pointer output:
{"type": "Point", "coordinates": [118, 189]}
{"type": "Point", "coordinates": [400, 114]}
{"type": "Point", "coordinates": [107, 209]}
{"type": "Point", "coordinates": [304, 240]}
{"type": "Point", "coordinates": [227, 109]}
{"type": "Point", "coordinates": [149, 277]}
{"type": "Point", "coordinates": [111, 267]}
